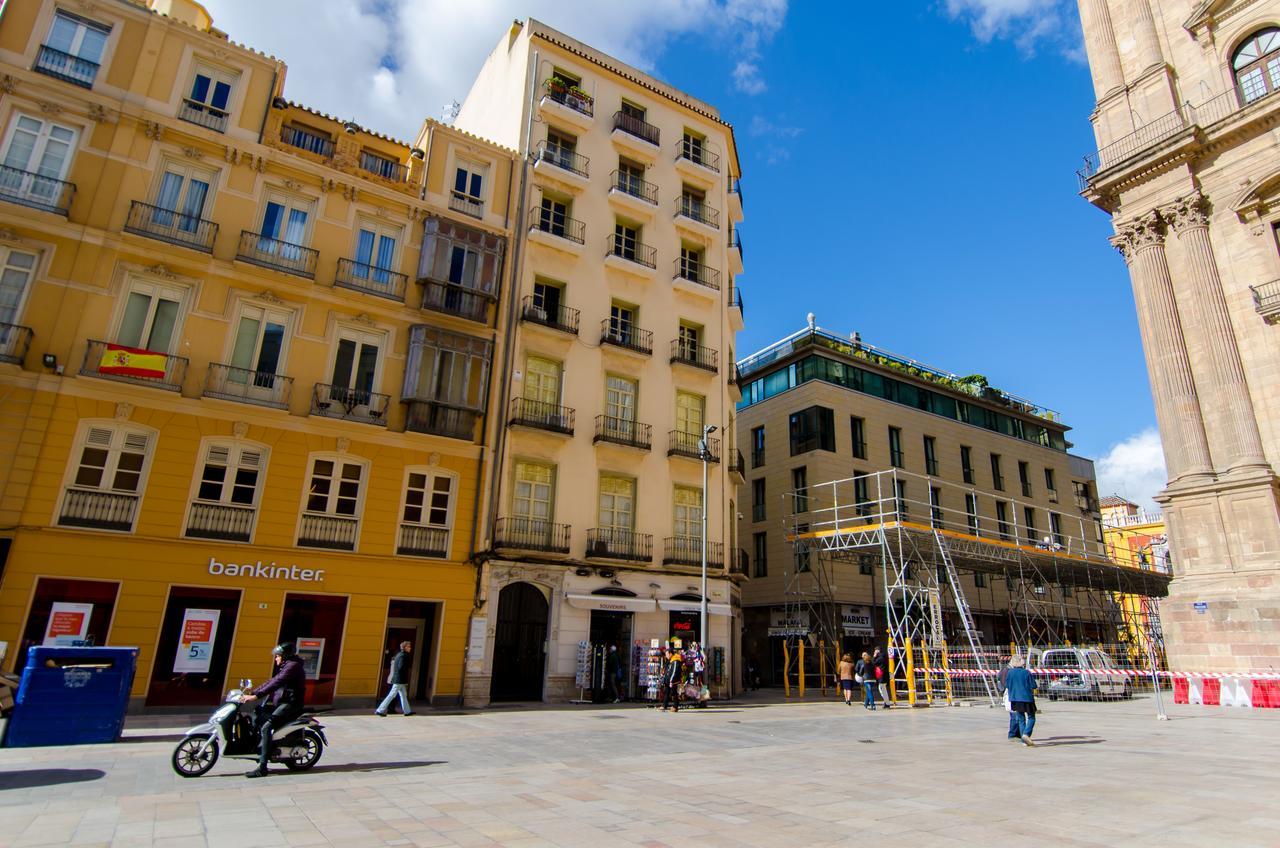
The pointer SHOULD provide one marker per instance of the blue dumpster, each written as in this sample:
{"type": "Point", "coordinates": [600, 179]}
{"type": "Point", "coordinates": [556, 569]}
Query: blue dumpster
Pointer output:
{"type": "Point", "coordinates": [72, 696]}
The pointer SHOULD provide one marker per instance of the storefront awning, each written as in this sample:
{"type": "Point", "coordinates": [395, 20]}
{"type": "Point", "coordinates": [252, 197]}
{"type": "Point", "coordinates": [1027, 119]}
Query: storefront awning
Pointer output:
{"type": "Point", "coordinates": [694, 606]}
{"type": "Point", "coordinates": [610, 602]}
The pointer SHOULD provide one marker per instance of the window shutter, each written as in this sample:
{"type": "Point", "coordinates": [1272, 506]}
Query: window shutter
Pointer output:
{"type": "Point", "coordinates": [250, 459]}
{"type": "Point", "coordinates": [99, 437]}
{"type": "Point", "coordinates": [136, 442]}
{"type": "Point", "coordinates": [218, 454]}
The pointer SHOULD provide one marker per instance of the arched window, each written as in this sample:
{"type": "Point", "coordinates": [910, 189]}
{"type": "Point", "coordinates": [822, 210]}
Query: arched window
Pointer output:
{"type": "Point", "coordinates": [1257, 65]}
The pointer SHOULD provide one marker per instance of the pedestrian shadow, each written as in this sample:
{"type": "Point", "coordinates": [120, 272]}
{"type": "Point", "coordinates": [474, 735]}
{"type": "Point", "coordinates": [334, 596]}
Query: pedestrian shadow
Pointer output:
{"type": "Point", "coordinates": [370, 767]}
{"type": "Point", "coordinates": [47, 777]}
{"type": "Point", "coordinates": [1055, 741]}
{"type": "Point", "coordinates": [158, 737]}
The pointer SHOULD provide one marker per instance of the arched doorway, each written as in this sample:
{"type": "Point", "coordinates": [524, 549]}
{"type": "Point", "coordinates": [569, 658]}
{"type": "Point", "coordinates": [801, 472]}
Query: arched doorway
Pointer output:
{"type": "Point", "coordinates": [521, 633]}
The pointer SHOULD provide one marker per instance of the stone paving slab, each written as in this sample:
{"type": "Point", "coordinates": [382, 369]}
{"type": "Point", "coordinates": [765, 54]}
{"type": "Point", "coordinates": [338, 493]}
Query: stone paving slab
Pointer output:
{"type": "Point", "coordinates": [755, 773]}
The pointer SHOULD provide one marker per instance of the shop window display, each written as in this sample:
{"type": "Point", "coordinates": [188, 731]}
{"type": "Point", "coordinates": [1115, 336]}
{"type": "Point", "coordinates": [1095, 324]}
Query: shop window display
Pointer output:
{"type": "Point", "coordinates": [315, 624]}
{"type": "Point", "coordinates": [67, 612]}
{"type": "Point", "coordinates": [196, 632]}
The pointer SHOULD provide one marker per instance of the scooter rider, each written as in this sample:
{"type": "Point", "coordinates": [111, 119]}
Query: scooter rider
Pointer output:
{"type": "Point", "coordinates": [286, 690]}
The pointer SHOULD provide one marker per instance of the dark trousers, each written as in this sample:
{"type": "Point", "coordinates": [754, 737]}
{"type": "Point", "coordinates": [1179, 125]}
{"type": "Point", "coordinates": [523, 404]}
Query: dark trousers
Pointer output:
{"type": "Point", "coordinates": [269, 719]}
{"type": "Point", "coordinates": [671, 695]}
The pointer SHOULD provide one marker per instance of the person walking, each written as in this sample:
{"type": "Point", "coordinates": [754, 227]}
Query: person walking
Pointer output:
{"type": "Point", "coordinates": [398, 677]}
{"type": "Point", "coordinates": [865, 673]}
{"type": "Point", "coordinates": [880, 663]}
{"type": "Point", "coordinates": [673, 678]}
{"type": "Point", "coordinates": [613, 672]}
{"type": "Point", "coordinates": [845, 675]}
{"type": "Point", "coordinates": [1020, 687]}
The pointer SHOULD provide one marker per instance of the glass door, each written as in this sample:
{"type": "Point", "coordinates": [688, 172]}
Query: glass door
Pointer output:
{"type": "Point", "coordinates": [259, 348]}
{"type": "Point", "coordinates": [620, 406]}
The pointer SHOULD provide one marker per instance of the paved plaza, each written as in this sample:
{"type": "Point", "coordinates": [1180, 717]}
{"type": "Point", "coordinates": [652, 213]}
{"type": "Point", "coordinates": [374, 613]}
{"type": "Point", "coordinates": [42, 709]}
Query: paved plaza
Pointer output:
{"type": "Point", "coordinates": [754, 773]}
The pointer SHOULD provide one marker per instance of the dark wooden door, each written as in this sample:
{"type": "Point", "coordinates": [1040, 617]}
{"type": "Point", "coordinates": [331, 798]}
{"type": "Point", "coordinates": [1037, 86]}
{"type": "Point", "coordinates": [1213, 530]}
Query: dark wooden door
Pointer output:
{"type": "Point", "coordinates": [519, 638]}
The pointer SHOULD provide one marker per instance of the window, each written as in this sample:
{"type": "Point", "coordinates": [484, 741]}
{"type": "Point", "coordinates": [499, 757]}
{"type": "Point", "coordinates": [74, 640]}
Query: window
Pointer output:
{"type": "Point", "coordinates": [562, 150]}
{"type": "Point", "coordinates": [757, 447]}
{"type": "Point", "coordinates": [689, 343]}
{"type": "Point", "coordinates": [631, 178]}
{"type": "Point", "coordinates": [355, 363]}
{"type": "Point", "coordinates": [622, 323]}
{"type": "Point", "coordinates": [336, 486]}
{"type": "Point", "coordinates": [625, 238]}
{"type": "Point", "coordinates": [209, 99]}
{"type": "Point", "coordinates": [427, 515]}
{"type": "Point", "coordinates": [37, 155]}
{"type": "Point", "coordinates": [757, 500]}
{"type": "Point", "coordinates": [1050, 485]}
{"type": "Point", "coordinates": [285, 220]}
{"type": "Point", "coordinates": [547, 300]}
{"type": "Point", "coordinates": [468, 189]}
{"type": "Point", "coordinates": [895, 447]}
{"type": "Point", "coordinates": [16, 270]}
{"type": "Point", "coordinates": [541, 384]}
{"type": "Point", "coordinates": [857, 431]}
{"type": "Point", "coordinates": [182, 190]}
{"type": "Point", "coordinates": [631, 110]}
{"type": "Point", "coordinates": [980, 581]}
{"type": "Point", "coordinates": [971, 512]}
{"type": "Point", "coordinates": [1002, 519]}
{"type": "Point", "coordinates": [693, 147]}
{"type": "Point", "coordinates": [106, 476]}
{"type": "Point", "coordinates": [866, 567]}
{"type": "Point", "coordinates": [800, 489]}
{"type": "Point", "coordinates": [930, 456]}
{"type": "Point", "coordinates": [74, 48]}
{"type": "Point", "coordinates": [376, 252]}
{"type": "Point", "coordinates": [691, 264]}
{"type": "Point", "coordinates": [1257, 65]}
{"type": "Point", "coordinates": [693, 204]}
{"type": "Point", "coordinates": [381, 166]}
{"type": "Point", "coordinates": [151, 315]}
{"type": "Point", "coordinates": [226, 498]}
{"type": "Point", "coordinates": [687, 505]}
{"type": "Point", "coordinates": [533, 497]}
{"type": "Point", "coordinates": [690, 413]}
{"type": "Point", "coordinates": [554, 216]}
{"type": "Point", "coordinates": [617, 503]}
{"type": "Point", "coordinates": [259, 345]}
{"type": "Point", "coordinates": [860, 496]}
{"type": "Point", "coordinates": [812, 429]}
{"type": "Point", "coordinates": [620, 395]}
{"type": "Point", "coordinates": [1024, 478]}
{"type": "Point", "coordinates": [1029, 522]}
{"type": "Point", "coordinates": [1055, 527]}
{"type": "Point", "coordinates": [462, 256]}
{"type": "Point", "coordinates": [966, 463]}
{"type": "Point", "coordinates": [447, 368]}
{"type": "Point", "coordinates": [997, 479]}
{"type": "Point", "coordinates": [801, 554]}
{"type": "Point", "coordinates": [760, 546]}
{"type": "Point", "coordinates": [935, 505]}
{"type": "Point", "coordinates": [900, 491]}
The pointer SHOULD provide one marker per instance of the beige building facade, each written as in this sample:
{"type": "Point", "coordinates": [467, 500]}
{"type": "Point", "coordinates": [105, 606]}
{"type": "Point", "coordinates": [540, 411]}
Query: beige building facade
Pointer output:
{"type": "Point", "coordinates": [1187, 167]}
{"type": "Point", "coordinates": [930, 447]}
{"type": "Point", "coordinates": [620, 350]}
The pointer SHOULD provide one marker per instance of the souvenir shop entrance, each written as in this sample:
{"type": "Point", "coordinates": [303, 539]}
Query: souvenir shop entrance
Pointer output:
{"type": "Point", "coordinates": [609, 628]}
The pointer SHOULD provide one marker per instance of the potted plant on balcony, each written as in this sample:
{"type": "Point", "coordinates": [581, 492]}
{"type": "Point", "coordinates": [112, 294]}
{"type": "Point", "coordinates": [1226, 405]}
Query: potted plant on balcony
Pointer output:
{"type": "Point", "coordinates": [581, 96]}
{"type": "Point", "coordinates": [556, 86]}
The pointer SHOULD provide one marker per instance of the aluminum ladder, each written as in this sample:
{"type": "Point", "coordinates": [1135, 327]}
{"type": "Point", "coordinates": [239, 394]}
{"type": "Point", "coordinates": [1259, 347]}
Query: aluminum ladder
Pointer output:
{"type": "Point", "coordinates": [971, 632]}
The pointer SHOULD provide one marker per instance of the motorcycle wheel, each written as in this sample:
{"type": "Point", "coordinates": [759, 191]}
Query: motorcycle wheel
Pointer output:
{"type": "Point", "coordinates": [314, 748]}
{"type": "Point", "coordinates": [187, 760]}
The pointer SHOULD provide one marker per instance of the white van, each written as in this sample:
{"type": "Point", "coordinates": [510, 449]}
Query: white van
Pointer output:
{"type": "Point", "coordinates": [1087, 673]}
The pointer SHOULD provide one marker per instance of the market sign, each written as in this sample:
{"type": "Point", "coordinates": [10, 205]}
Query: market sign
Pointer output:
{"type": "Point", "coordinates": [783, 624]}
{"type": "Point", "coordinates": [855, 620]}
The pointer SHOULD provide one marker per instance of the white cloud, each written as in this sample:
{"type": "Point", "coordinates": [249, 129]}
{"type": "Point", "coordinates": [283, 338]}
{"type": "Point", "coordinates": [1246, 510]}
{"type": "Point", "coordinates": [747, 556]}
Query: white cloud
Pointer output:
{"type": "Point", "coordinates": [388, 64]}
{"type": "Point", "coordinates": [1028, 23]}
{"type": "Point", "coordinates": [1133, 469]}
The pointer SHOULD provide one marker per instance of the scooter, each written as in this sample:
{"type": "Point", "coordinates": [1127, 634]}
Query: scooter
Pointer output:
{"type": "Point", "coordinates": [232, 731]}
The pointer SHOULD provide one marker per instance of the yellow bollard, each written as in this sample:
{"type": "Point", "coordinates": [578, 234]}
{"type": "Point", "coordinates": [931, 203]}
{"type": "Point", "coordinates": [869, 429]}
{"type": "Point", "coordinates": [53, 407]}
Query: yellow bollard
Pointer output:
{"type": "Point", "coordinates": [927, 667]}
{"type": "Point", "coordinates": [786, 670]}
{"type": "Point", "coordinates": [822, 665]}
{"type": "Point", "coordinates": [946, 673]}
{"type": "Point", "coordinates": [911, 676]}
{"type": "Point", "coordinates": [801, 661]}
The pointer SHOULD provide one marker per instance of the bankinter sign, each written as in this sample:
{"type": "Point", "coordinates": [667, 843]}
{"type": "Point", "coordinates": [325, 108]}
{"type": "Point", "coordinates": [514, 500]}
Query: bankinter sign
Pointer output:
{"type": "Point", "coordinates": [266, 571]}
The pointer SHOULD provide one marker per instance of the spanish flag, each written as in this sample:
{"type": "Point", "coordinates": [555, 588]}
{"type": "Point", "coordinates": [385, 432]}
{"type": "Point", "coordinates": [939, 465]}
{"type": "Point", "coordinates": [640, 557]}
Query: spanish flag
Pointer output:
{"type": "Point", "coordinates": [132, 362]}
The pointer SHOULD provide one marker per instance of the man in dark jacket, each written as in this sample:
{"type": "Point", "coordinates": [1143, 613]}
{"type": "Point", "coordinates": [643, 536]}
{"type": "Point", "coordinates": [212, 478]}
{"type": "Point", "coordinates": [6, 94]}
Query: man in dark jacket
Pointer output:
{"type": "Point", "coordinates": [287, 690]}
{"type": "Point", "coordinates": [880, 664]}
{"type": "Point", "coordinates": [398, 677]}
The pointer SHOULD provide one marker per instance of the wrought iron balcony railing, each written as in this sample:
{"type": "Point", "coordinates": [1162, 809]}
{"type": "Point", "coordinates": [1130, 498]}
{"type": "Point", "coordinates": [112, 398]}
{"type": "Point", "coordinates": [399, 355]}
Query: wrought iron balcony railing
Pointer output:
{"type": "Point", "coordinates": [550, 221]}
{"type": "Point", "coordinates": [531, 534]}
{"type": "Point", "coordinates": [687, 550]}
{"type": "Point", "coordinates": [697, 153]}
{"type": "Point", "coordinates": [98, 510]}
{"type": "Point", "coordinates": [15, 341]}
{"type": "Point", "coordinates": [685, 352]}
{"type": "Point", "coordinates": [735, 242]}
{"type": "Point", "coordinates": [633, 251]}
{"type": "Point", "coordinates": [558, 318]}
{"type": "Point", "coordinates": [737, 465]}
{"type": "Point", "coordinates": [566, 160]}
{"type": "Point", "coordinates": [438, 419]}
{"type": "Point", "coordinates": [576, 102]}
{"type": "Point", "coordinates": [225, 522]}
{"type": "Point", "coordinates": [349, 404]}
{"type": "Point", "coordinates": [66, 67]}
{"type": "Point", "coordinates": [1266, 300]}
{"type": "Point", "coordinates": [308, 141]}
{"type": "Point", "coordinates": [262, 388]}
{"type": "Point", "coordinates": [625, 335]}
{"type": "Point", "coordinates": [623, 431]}
{"type": "Point", "coordinates": [257, 249]}
{"type": "Point", "coordinates": [417, 540]}
{"type": "Point", "coordinates": [370, 279]}
{"type": "Point", "coordinates": [35, 190]}
{"type": "Point", "coordinates": [698, 210]}
{"type": "Point", "coordinates": [637, 127]}
{"type": "Point", "coordinates": [110, 362]}
{"type": "Point", "coordinates": [696, 272]}
{"type": "Point", "coordinates": [454, 300]}
{"type": "Point", "coordinates": [380, 166]}
{"type": "Point", "coordinates": [634, 186]}
{"type": "Point", "coordinates": [172, 227]}
{"type": "Point", "coordinates": [202, 114]}
{"type": "Point", "coordinates": [735, 299]}
{"type": "Point", "coordinates": [608, 543]}
{"type": "Point", "coordinates": [541, 416]}
{"type": "Point", "coordinates": [680, 443]}
{"type": "Point", "coordinates": [332, 532]}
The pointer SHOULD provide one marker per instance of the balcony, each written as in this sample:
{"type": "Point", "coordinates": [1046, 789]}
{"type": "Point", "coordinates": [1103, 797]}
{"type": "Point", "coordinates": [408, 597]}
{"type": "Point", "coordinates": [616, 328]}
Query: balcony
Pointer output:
{"type": "Point", "coordinates": [623, 431]}
{"type": "Point", "coordinates": [741, 565]}
{"type": "Point", "coordinates": [66, 67]}
{"type": "Point", "coordinates": [133, 365]}
{"type": "Point", "coordinates": [541, 416]}
{"type": "Point", "coordinates": [224, 522]}
{"type": "Point", "coordinates": [680, 443]}
{"type": "Point", "coordinates": [735, 199]}
{"type": "Point", "coordinates": [687, 550]}
{"type": "Point", "coordinates": [172, 227]}
{"type": "Point", "coordinates": [531, 534]}
{"type": "Point", "coordinates": [632, 193]}
{"type": "Point", "coordinates": [560, 318]}
{"type": "Point", "coordinates": [380, 166]}
{"type": "Point", "coordinates": [15, 341]}
{"type": "Point", "coordinates": [420, 541]}
{"type": "Point", "coordinates": [693, 152]}
{"type": "Point", "coordinates": [466, 204]}
{"type": "Point", "coordinates": [635, 134]}
{"type": "Point", "coordinates": [261, 388]}
{"type": "Point", "coordinates": [735, 250]}
{"type": "Point", "coordinates": [705, 280]}
{"type": "Point", "coordinates": [737, 312]}
{"type": "Point", "coordinates": [737, 465]}
{"type": "Point", "coordinates": [626, 336]}
{"type": "Point", "coordinates": [308, 141]}
{"type": "Point", "coordinates": [685, 352]}
{"type": "Point", "coordinates": [277, 255]}
{"type": "Point", "coordinates": [576, 109]}
{"type": "Point", "coordinates": [202, 115]}
{"type": "Point", "coordinates": [331, 532]}
{"type": "Point", "coordinates": [607, 543]}
{"type": "Point", "coordinates": [557, 230]}
{"type": "Point", "coordinates": [348, 404]}
{"type": "Point", "coordinates": [36, 191]}
{"type": "Point", "coordinates": [561, 163]}
{"type": "Point", "coordinates": [451, 299]}
{"type": "Point", "coordinates": [438, 419]}
{"type": "Point", "coordinates": [630, 255]}
{"type": "Point", "coordinates": [694, 211]}
{"type": "Point", "coordinates": [1266, 300]}
{"type": "Point", "coordinates": [370, 279]}
{"type": "Point", "coordinates": [95, 510]}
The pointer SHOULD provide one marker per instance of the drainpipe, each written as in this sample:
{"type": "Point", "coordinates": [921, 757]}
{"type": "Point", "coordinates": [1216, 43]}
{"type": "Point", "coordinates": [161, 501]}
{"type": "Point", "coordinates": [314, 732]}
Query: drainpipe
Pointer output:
{"type": "Point", "coordinates": [275, 80]}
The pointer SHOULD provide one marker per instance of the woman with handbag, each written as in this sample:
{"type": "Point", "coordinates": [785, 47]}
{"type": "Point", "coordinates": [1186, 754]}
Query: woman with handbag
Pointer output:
{"type": "Point", "coordinates": [846, 677]}
{"type": "Point", "coordinates": [865, 674]}
{"type": "Point", "coordinates": [881, 676]}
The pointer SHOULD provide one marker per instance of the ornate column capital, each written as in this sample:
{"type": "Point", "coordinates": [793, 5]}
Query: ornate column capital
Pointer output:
{"type": "Point", "coordinates": [1187, 212]}
{"type": "Point", "coordinates": [1132, 236]}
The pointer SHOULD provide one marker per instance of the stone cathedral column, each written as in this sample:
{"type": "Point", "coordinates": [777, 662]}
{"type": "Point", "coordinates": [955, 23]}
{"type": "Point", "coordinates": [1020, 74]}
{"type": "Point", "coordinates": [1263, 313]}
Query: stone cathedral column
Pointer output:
{"type": "Point", "coordinates": [1229, 408]}
{"type": "Point", "coordinates": [1186, 450]}
{"type": "Point", "coordinates": [1100, 43]}
{"type": "Point", "coordinates": [1144, 30]}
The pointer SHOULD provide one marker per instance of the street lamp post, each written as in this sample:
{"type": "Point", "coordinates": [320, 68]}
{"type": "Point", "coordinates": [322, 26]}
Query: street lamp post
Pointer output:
{"type": "Point", "coordinates": [705, 453]}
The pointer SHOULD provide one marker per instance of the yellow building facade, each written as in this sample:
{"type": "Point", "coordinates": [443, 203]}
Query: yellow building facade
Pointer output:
{"type": "Point", "coordinates": [245, 362]}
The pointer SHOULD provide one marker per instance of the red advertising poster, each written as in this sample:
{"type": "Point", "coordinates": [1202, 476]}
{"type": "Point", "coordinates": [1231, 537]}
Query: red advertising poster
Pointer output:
{"type": "Point", "coordinates": [68, 623]}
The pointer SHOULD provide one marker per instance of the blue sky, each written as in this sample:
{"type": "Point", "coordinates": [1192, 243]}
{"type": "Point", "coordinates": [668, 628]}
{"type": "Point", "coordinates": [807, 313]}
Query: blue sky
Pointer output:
{"type": "Point", "coordinates": [908, 169]}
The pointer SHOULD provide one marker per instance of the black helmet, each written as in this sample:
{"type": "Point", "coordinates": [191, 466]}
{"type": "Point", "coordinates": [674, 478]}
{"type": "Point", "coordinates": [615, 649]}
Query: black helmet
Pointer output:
{"type": "Point", "coordinates": [284, 649]}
